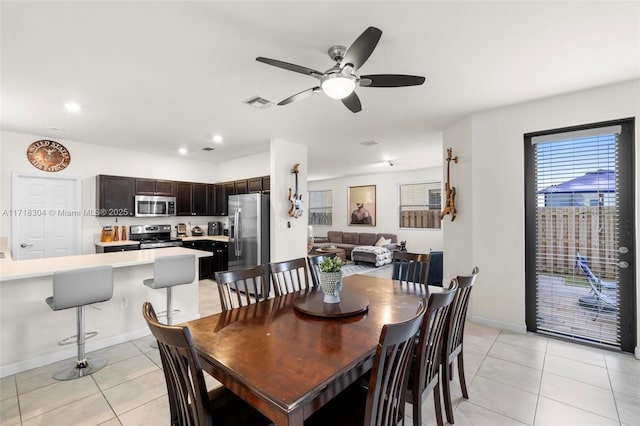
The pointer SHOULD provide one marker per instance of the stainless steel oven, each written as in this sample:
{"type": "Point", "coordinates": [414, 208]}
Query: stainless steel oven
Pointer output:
{"type": "Point", "coordinates": [154, 206]}
{"type": "Point", "coordinates": [153, 236]}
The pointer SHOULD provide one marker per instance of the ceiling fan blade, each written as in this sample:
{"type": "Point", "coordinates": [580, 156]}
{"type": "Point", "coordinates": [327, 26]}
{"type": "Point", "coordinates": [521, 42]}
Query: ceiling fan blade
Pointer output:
{"type": "Point", "coordinates": [352, 102]}
{"type": "Point", "coordinates": [390, 80]}
{"type": "Point", "coordinates": [358, 53]}
{"type": "Point", "coordinates": [290, 67]}
{"type": "Point", "coordinates": [300, 95]}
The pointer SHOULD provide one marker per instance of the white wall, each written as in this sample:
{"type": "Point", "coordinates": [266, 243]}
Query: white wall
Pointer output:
{"type": "Point", "coordinates": [87, 161]}
{"type": "Point", "coordinates": [387, 220]}
{"type": "Point", "coordinates": [496, 147]}
{"type": "Point", "coordinates": [245, 167]}
{"type": "Point", "coordinates": [288, 234]}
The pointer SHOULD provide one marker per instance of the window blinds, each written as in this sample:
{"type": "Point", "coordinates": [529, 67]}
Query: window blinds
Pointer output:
{"type": "Point", "coordinates": [577, 234]}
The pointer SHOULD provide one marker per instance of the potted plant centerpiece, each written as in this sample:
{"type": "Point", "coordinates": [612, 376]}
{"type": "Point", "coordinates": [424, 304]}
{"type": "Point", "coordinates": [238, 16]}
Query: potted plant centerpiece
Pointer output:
{"type": "Point", "coordinates": [331, 279]}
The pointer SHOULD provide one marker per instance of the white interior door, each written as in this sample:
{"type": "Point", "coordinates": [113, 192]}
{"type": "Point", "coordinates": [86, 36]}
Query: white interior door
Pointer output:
{"type": "Point", "coordinates": [46, 217]}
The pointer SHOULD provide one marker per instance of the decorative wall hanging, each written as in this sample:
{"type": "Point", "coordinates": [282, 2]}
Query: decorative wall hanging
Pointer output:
{"type": "Point", "coordinates": [48, 156]}
{"type": "Point", "coordinates": [296, 198]}
{"type": "Point", "coordinates": [450, 206]}
{"type": "Point", "coordinates": [362, 205]}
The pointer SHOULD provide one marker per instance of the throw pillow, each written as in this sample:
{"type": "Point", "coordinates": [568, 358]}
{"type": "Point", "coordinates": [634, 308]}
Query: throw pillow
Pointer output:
{"type": "Point", "coordinates": [381, 242]}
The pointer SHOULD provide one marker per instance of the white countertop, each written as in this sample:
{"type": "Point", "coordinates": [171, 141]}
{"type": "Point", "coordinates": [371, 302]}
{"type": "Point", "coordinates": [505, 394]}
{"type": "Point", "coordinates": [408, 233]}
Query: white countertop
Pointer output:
{"type": "Point", "coordinates": [116, 243]}
{"type": "Point", "coordinates": [222, 238]}
{"type": "Point", "coordinates": [22, 269]}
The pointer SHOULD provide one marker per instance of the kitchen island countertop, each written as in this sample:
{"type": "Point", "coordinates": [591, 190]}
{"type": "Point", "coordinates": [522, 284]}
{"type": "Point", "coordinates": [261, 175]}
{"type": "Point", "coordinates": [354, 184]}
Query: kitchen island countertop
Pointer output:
{"type": "Point", "coordinates": [30, 268]}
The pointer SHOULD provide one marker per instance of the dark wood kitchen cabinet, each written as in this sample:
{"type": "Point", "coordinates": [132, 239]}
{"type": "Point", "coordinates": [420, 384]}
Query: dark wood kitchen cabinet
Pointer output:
{"type": "Point", "coordinates": [255, 184]}
{"type": "Point", "coordinates": [221, 194]}
{"type": "Point", "coordinates": [155, 187]}
{"type": "Point", "coordinates": [205, 264]}
{"type": "Point", "coordinates": [191, 199]}
{"type": "Point", "coordinates": [115, 195]}
{"type": "Point", "coordinates": [266, 184]}
{"type": "Point", "coordinates": [241, 186]}
{"type": "Point", "coordinates": [220, 257]}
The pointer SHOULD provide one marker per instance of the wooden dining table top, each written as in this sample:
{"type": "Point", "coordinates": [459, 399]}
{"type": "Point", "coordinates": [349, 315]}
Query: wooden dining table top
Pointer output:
{"type": "Point", "coordinates": [286, 363]}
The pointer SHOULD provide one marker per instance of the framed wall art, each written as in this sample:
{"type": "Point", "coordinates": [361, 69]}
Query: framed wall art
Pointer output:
{"type": "Point", "coordinates": [362, 205]}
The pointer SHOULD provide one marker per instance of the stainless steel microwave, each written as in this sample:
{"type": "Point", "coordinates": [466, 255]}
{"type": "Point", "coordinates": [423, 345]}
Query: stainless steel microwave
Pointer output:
{"type": "Point", "coordinates": [155, 206]}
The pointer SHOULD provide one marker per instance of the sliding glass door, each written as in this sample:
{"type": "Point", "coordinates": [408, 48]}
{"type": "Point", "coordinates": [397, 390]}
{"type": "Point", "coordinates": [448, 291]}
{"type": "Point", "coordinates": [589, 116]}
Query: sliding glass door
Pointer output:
{"type": "Point", "coordinates": [579, 233]}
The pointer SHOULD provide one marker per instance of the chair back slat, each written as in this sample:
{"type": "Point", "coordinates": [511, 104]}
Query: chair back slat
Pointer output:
{"type": "Point", "coordinates": [314, 267]}
{"type": "Point", "coordinates": [458, 314]}
{"type": "Point", "coordinates": [427, 362]}
{"type": "Point", "coordinates": [241, 287]}
{"type": "Point", "coordinates": [186, 388]}
{"type": "Point", "coordinates": [289, 276]}
{"type": "Point", "coordinates": [410, 267]}
{"type": "Point", "coordinates": [389, 375]}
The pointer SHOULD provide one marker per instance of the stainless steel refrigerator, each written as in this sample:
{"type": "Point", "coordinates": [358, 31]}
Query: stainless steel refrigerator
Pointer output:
{"type": "Point", "coordinates": [248, 230]}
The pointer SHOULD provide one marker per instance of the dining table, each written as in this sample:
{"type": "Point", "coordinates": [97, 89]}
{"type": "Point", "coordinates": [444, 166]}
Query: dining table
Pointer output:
{"type": "Point", "coordinates": [288, 362]}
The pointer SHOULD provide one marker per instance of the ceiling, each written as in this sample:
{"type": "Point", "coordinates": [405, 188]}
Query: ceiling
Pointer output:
{"type": "Point", "coordinates": [157, 76]}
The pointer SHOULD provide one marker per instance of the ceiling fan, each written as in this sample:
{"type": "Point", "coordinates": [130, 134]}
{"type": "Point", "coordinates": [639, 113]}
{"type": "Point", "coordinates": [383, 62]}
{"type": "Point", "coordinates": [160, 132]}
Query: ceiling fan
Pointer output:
{"type": "Point", "coordinates": [340, 81]}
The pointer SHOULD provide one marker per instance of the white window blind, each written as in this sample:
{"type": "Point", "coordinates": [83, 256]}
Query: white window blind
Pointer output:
{"type": "Point", "coordinates": [576, 235]}
{"type": "Point", "coordinates": [420, 205]}
{"type": "Point", "coordinates": [320, 205]}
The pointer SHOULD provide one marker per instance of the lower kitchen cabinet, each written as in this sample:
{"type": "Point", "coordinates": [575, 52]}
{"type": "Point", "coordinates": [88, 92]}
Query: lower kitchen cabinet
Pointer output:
{"type": "Point", "coordinates": [220, 257]}
{"type": "Point", "coordinates": [205, 264]}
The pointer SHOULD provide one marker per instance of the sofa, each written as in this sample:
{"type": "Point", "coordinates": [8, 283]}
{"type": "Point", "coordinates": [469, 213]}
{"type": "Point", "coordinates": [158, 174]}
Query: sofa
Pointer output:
{"type": "Point", "coordinates": [349, 240]}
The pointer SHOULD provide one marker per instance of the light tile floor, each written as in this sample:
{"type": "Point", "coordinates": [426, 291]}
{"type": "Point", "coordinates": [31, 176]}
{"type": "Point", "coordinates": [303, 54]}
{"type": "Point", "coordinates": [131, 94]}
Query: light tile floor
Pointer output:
{"type": "Point", "coordinates": [513, 379]}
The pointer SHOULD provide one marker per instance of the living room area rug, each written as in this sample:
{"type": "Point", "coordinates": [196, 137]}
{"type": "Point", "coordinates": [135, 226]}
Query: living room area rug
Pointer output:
{"type": "Point", "coordinates": [368, 269]}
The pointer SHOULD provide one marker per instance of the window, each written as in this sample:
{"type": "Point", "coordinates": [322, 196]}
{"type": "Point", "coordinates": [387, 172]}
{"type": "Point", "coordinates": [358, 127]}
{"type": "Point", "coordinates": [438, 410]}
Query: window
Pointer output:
{"type": "Point", "coordinates": [320, 207]}
{"type": "Point", "coordinates": [420, 205]}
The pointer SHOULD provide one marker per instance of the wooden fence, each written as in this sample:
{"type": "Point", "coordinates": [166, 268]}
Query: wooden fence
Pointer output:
{"type": "Point", "coordinates": [565, 231]}
{"type": "Point", "coordinates": [420, 219]}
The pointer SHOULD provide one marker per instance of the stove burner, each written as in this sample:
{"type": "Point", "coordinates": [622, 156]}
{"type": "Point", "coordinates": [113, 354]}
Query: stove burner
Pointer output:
{"type": "Point", "coordinates": [153, 236]}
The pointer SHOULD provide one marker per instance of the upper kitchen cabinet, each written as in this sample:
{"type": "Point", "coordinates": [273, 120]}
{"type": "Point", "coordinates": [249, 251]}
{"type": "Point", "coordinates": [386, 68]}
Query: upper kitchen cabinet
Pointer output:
{"type": "Point", "coordinates": [191, 199]}
{"type": "Point", "coordinates": [259, 184]}
{"type": "Point", "coordinates": [255, 184]}
{"type": "Point", "coordinates": [115, 195]}
{"type": "Point", "coordinates": [155, 187]}
{"type": "Point", "coordinates": [221, 194]}
{"type": "Point", "coordinates": [241, 186]}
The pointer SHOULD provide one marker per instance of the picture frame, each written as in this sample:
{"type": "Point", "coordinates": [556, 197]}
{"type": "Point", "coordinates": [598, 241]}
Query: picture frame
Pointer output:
{"type": "Point", "coordinates": [361, 205]}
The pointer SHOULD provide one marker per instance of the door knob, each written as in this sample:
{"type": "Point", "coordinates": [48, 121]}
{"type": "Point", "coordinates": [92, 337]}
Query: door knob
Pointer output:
{"type": "Point", "coordinates": [23, 245]}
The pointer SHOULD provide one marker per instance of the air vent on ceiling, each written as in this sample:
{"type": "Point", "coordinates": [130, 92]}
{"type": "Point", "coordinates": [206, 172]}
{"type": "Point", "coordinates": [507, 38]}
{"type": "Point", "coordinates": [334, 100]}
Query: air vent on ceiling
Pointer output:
{"type": "Point", "coordinates": [208, 148]}
{"type": "Point", "coordinates": [258, 102]}
{"type": "Point", "coordinates": [369, 143]}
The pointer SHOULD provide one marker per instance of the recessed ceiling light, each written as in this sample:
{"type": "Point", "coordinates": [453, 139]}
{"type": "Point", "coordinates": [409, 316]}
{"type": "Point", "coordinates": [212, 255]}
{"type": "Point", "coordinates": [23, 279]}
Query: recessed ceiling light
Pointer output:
{"type": "Point", "coordinates": [72, 106]}
{"type": "Point", "coordinates": [183, 150]}
{"type": "Point", "coordinates": [217, 138]}
{"type": "Point", "coordinates": [369, 143]}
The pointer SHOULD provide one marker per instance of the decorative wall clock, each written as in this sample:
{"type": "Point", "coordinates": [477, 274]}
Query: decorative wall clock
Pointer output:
{"type": "Point", "coordinates": [49, 156]}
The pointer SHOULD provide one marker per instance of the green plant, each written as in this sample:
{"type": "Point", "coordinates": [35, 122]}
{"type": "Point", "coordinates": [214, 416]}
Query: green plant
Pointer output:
{"type": "Point", "coordinates": [331, 264]}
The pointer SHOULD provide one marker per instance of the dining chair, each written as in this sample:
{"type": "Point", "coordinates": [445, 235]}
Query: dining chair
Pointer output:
{"type": "Point", "coordinates": [289, 276]}
{"type": "Point", "coordinates": [426, 367]}
{"type": "Point", "coordinates": [242, 287]}
{"type": "Point", "coordinates": [453, 340]}
{"type": "Point", "coordinates": [382, 403]}
{"type": "Point", "coordinates": [189, 402]}
{"type": "Point", "coordinates": [410, 267]}
{"type": "Point", "coordinates": [314, 267]}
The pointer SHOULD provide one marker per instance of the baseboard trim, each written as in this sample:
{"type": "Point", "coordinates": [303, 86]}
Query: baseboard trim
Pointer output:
{"type": "Point", "coordinates": [520, 329]}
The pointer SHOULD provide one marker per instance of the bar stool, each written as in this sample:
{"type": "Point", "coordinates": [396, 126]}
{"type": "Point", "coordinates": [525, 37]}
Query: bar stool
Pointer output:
{"type": "Point", "coordinates": [76, 289]}
{"type": "Point", "coordinates": [170, 271]}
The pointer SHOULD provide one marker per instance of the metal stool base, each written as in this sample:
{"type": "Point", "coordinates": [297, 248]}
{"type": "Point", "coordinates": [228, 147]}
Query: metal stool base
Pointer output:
{"type": "Point", "coordinates": [82, 368]}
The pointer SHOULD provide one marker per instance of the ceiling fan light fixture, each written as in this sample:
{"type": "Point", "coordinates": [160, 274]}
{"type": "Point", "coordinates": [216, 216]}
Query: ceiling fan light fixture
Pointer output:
{"type": "Point", "coordinates": [338, 85]}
